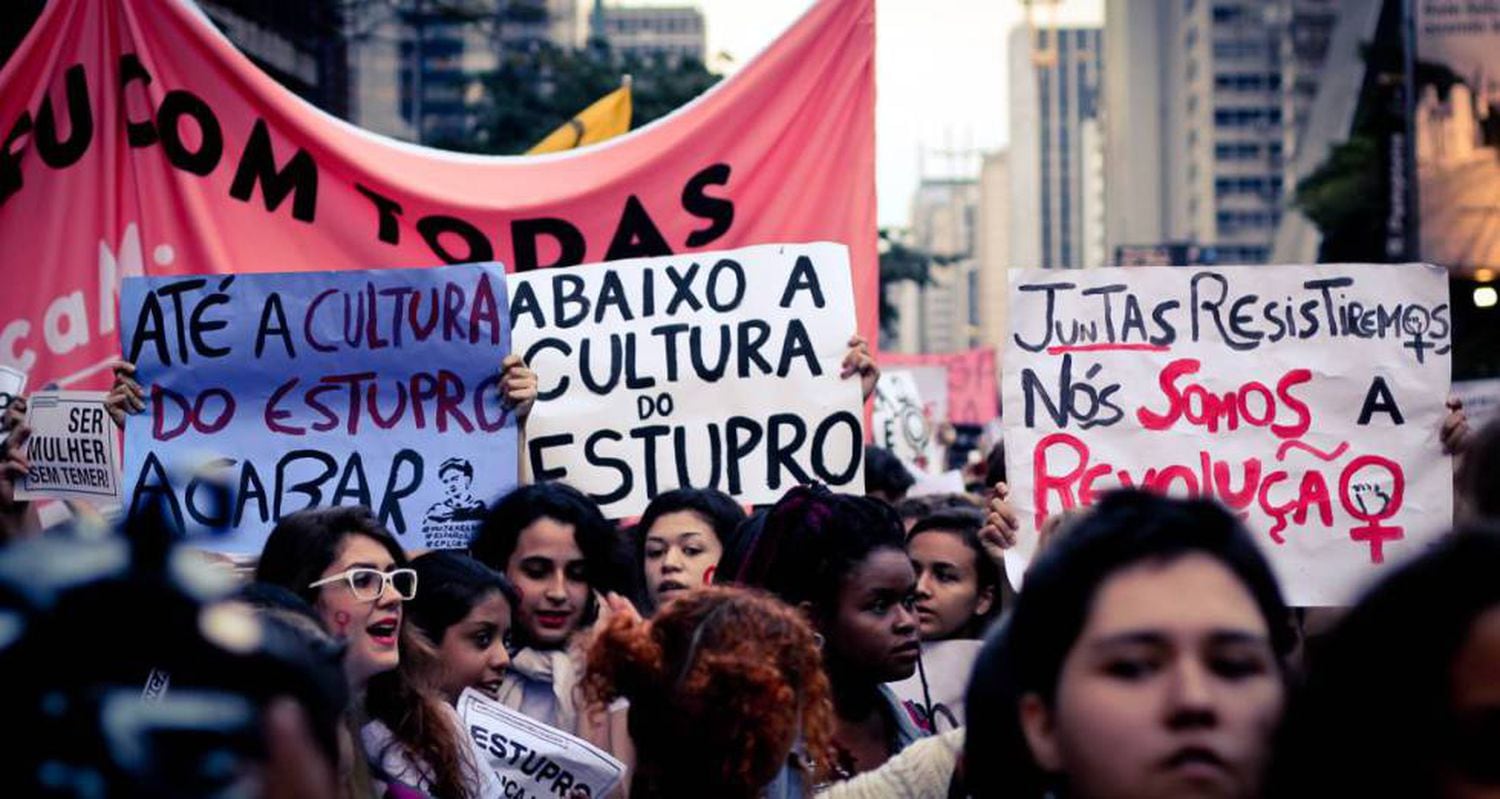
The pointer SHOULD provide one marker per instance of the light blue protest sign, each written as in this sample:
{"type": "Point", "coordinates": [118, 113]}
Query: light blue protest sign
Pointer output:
{"type": "Point", "coordinates": [377, 388]}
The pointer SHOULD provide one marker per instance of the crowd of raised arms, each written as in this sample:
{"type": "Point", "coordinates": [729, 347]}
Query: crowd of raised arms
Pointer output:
{"type": "Point", "coordinates": [723, 653]}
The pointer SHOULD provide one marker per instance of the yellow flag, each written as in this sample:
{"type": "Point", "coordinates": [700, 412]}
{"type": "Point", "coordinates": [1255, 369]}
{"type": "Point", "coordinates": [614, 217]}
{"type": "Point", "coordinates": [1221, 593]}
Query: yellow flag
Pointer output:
{"type": "Point", "coordinates": [606, 118]}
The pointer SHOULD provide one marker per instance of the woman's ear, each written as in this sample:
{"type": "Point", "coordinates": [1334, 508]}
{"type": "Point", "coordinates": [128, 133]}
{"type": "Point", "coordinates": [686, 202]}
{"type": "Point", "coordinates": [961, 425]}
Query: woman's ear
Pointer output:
{"type": "Point", "coordinates": [1041, 733]}
{"type": "Point", "coordinates": [986, 600]}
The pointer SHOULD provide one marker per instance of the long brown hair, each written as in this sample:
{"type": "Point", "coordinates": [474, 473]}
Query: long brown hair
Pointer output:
{"type": "Point", "coordinates": [408, 702]}
{"type": "Point", "coordinates": [722, 682]}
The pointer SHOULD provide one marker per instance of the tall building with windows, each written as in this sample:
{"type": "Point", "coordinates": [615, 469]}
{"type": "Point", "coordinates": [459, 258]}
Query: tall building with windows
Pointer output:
{"type": "Point", "coordinates": [417, 66]}
{"type": "Point", "coordinates": [672, 33]}
{"type": "Point", "coordinates": [1055, 82]}
{"type": "Point", "coordinates": [1213, 110]}
{"type": "Point", "coordinates": [946, 314]}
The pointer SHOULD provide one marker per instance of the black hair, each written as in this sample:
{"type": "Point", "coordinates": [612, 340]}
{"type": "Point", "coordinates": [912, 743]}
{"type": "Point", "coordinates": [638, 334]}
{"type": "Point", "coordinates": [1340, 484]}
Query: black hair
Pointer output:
{"type": "Point", "coordinates": [811, 539]}
{"type": "Point", "coordinates": [965, 523]}
{"type": "Point", "coordinates": [885, 473]}
{"type": "Point", "coordinates": [723, 514]}
{"type": "Point", "coordinates": [303, 545]}
{"type": "Point", "coordinates": [745, 536]}
{"type": "Point", "coordinates": [917, 508]}
{"type": "Point", "coordinates": [1479, 472]}
{"type": "Point", "coordinates": [456, 464]}
{"type": "Point", "coordinates": [1126, 528]}
{"type": "Point", "coordinates": [452, 584]}
{"type": "Point", "coordinates": [1381, 679]}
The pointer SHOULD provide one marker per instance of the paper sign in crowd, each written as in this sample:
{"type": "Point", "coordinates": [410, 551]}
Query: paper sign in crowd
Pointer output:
{"type": "Point", "coordinates": [378, 388]}
{"type": "Point", "coordinates": [902, 423]}
{"type": "Point", "coordinates": [1308, 399]}
{"type": "Point", "coordinates": [73, 450]}
{"type": "Point", "coordinates": [716, 370]}
{"type": "Point", "coordinates": [532, 759]}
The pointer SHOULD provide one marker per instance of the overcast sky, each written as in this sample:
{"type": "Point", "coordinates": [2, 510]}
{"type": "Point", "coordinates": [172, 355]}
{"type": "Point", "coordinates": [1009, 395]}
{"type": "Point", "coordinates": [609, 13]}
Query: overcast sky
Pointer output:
{"type": "Point", "coordinates": [940, 72]}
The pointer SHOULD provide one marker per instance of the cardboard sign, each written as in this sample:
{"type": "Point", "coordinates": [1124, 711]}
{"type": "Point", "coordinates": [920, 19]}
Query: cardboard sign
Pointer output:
{"type": "Point", "coordinates": [1307, 399]}
{"type": "Point", "coordinates": [900, 421]}
{"type": "Point", "coordinates": [73, 448]}
{"type": "Point", "coordinates": [713, 370]}
{"type": "Point", "coordinates": [532, 759]}
{"type": "Point", "coordinates": [304, 390]}
{"type": "Point", "coordinates": [947, 665]}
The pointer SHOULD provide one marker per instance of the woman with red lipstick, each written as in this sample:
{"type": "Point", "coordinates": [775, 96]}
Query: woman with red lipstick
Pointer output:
{"type": "Point", "coordinates": [1145, 657]}
{"type": "Point", "coordinates": [681, 537]}
{"type": "Point", "coordinates": [841, 560]}
{"type": "Point", "coordinates": [551, 542]}
{"type": "Point", "coordinates": [354, 573]}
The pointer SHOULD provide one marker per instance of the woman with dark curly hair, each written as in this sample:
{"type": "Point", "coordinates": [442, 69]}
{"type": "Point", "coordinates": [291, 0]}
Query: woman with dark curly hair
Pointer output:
{"type": "Point", "coordinates": [842, 561]}
{"type": "Point", "coordinates": [681, 538]}
{"type": "Point", "coordinates": [723, 683]}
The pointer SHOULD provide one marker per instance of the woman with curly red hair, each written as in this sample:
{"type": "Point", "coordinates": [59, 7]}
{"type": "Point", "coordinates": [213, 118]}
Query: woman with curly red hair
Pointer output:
{"type": "Point", "coordinates": [725, 687]}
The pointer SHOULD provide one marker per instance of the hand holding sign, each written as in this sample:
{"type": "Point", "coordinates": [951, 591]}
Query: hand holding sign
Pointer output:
{"type": "Point", "coordinates": [1455, 427]}
{"type": "Point", "coordinates": [520, 384]}
{"type": "Point", "coordinates": [859, 361]}
{"type": "Point", "coordinates": [125, 396]}
{"type": "Point", "coordinates": [1001, 525]}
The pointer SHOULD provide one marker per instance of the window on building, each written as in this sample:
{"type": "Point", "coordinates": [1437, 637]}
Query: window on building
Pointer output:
{"type": "Point", "coordinates": [1239, 117]}
{"type": "Point", "coordinates": [1238, 48]}
{"type": "Point", "coordinates": [1224, 14]}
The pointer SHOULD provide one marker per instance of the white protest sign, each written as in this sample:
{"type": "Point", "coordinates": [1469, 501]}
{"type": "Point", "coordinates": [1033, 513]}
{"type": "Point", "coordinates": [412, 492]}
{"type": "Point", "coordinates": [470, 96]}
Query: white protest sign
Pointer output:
{"type": "Point", "coordinates": [12, 385]}
{"type": "Point", "coordinates": [900, 421]}
{"type": "Point", "coordinates": [1307, 399]}
{"type": "Point", "coordinates": [74, 448]}
{"type": "Point", "coordinates": [942, 681]}
{"type": "Point", "coordinates": [709, 369]}
{"type": "Point", "coordinates": [532, 759]}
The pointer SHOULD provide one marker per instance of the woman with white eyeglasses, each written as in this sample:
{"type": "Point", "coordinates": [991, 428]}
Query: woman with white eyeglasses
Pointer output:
{"type": "Point", "coordinates": [353, 572]}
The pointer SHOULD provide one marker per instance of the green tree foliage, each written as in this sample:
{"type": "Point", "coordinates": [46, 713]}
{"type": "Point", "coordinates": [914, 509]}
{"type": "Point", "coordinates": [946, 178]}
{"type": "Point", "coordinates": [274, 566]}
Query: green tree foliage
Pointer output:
{"type": "Point", "coordinates": [535, 91]}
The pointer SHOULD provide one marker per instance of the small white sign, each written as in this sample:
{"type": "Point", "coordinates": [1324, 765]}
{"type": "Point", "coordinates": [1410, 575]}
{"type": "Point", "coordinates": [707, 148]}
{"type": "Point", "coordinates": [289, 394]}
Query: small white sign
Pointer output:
{"type": "Point", "coordinates": [531, 758]}
{"type": "Point", "coordinates": [74, 448]}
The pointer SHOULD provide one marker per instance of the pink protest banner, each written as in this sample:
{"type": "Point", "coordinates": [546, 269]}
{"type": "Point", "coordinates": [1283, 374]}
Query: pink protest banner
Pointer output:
{"type": "Point", "coordinates": [135, 139]}
{"type": "Point", "coordinates": [972, 395]}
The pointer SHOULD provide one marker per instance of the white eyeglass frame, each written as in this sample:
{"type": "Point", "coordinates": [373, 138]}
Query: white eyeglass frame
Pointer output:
{"type": "Point", "coordinates": [387, 580]}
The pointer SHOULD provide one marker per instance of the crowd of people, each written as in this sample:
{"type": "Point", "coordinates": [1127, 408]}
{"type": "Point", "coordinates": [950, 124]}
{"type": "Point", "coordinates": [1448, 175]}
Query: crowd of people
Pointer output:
{"type": "Point", "coordinates": [717, 653]}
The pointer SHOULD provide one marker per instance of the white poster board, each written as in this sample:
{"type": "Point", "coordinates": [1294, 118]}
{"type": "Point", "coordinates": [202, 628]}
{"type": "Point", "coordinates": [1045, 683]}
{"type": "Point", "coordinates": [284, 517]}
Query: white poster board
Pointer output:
{"type": "Point", "coordinates": [531, 758]}
{"type": "Point", "coordinates": [900, 422]}
{"type": "Point", "coordinates": [1307, 399]}
{"type": "Point", "coordinates": [74, 448]}
{"type": "Point", "coordinates": [947, 665]}
{"type": "Point", "coordinates": [708, 369]}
